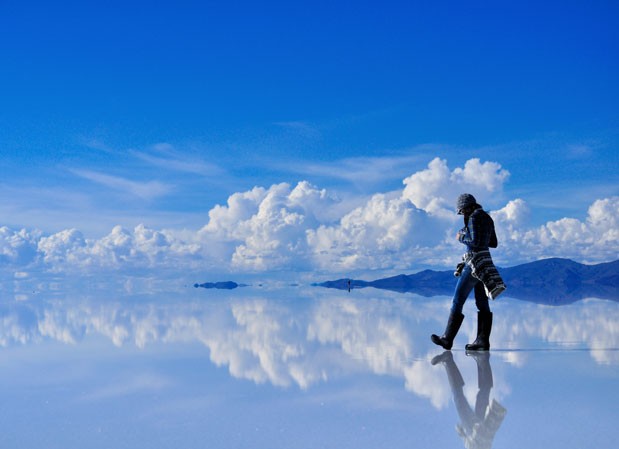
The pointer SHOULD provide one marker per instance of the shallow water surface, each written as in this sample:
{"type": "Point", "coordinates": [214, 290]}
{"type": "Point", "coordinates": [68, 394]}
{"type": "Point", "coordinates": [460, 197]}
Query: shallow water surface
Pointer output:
{"type": "Point", "coordinates": [302, 368]}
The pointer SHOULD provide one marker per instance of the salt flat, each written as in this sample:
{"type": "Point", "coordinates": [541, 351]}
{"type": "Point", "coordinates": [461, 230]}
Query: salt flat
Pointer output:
{"type": "Point", "coordinates": [301, 367]}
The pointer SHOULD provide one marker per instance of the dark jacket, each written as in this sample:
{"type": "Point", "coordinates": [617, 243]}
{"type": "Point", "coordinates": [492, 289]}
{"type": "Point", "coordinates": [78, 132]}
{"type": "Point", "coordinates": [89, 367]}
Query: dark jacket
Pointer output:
{"type": "Point", "coordinates": [478, 232]}
{"type": "Point", "coordinates": [478, 235]}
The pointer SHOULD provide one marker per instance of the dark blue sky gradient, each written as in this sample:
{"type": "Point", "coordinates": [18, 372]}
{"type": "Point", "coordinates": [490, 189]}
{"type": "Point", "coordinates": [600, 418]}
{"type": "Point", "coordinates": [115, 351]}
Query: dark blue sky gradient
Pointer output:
{"type": "Point", "coordinates": [244, 83]}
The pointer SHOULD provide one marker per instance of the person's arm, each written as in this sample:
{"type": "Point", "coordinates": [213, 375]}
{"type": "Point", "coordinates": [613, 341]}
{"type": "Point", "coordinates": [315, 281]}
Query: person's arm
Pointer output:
{"type": "Point", "coordinates": [463, 235]}
{"type": "Point", "coordinates": [475, 236]}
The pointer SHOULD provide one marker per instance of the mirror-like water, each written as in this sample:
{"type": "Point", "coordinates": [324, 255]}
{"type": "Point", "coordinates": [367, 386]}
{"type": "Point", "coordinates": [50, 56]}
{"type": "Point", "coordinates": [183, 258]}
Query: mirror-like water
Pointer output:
{"type": "Point", "coordinates": [305, 369]}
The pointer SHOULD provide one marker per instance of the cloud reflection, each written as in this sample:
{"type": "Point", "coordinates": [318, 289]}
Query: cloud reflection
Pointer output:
{"type": "Point", "coordinates": [306, 341]}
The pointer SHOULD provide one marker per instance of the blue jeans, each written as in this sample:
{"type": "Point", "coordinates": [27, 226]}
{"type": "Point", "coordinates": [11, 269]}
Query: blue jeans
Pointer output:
{"type": "Point", "coordinates": [466, 283]}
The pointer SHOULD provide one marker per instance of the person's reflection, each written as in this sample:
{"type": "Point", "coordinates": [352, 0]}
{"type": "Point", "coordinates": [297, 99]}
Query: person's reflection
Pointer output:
{"type": "Point", "coordinates": [477, 427]}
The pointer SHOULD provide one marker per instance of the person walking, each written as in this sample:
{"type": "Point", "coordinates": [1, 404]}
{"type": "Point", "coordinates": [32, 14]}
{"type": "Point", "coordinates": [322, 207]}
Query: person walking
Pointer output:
{"type": "Point", "coordinates": [478, 235]}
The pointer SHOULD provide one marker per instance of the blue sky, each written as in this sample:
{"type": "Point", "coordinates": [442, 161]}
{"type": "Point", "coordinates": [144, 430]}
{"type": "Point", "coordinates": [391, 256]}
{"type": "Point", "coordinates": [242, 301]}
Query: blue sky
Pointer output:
{"type": "Point", "coordinates": [154, 113]}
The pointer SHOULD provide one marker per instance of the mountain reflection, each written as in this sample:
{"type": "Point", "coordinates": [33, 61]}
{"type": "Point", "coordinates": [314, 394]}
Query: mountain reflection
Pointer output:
{"type": "Point", "coordinates": [479, 424]}
{"type": "Point", "coordinates": [304, 341]}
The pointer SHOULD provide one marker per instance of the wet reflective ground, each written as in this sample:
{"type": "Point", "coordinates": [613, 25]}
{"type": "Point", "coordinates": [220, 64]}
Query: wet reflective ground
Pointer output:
{"type": "Point", "coordinates": [302, 368]}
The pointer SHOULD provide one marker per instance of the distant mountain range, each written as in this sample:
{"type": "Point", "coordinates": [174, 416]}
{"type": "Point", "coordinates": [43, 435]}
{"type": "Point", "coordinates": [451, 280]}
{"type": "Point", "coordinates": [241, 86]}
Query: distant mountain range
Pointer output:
{"type": "Point", "coordinates": [550, 281]}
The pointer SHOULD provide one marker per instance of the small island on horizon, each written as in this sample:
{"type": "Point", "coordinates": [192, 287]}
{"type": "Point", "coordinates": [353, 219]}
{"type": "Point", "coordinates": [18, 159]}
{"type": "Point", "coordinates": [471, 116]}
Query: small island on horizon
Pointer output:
{"type": "Point", "coordinates": [226, 285]}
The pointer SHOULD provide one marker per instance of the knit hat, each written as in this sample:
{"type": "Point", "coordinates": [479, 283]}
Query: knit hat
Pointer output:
{"type": "Point", "coordinates": [465, 200]}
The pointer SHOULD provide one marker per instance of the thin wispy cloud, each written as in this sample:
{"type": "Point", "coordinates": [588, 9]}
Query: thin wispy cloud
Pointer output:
{"type": "Point", "coordinates": [302, 128]}
{"type": "Point", "coordinates": [171, 160]}
{"type": "Point", "coordinates": [148, 190]}
{"type": "Point", "coordinates": [579, 151]}
{"type": "Point", "coordinates": [358, 170]}
{"type": "Point", "coordinates": [97, 144]}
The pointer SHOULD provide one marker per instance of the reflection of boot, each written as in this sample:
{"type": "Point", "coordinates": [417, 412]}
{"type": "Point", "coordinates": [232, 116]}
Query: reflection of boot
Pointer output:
{"type": "Point", "coordinates": [484, 382]}
{"type": "Point", "coordinates": [456, 384]}
{"type": "Point", "coordinates": [453, 326]}
{"type": "Point", "coordinates": [484, 370]}
{"type": "Point", "coordinates": [488, 415]}
{"type": "Point", "coordinates": [453, 373]}
{"type": "Point", "coordinates": [484, 327]}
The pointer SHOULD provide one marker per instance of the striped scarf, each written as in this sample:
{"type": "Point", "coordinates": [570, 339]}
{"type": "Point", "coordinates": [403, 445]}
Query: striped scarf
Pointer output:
{"type": "Point", "coordinates": [482, 268]}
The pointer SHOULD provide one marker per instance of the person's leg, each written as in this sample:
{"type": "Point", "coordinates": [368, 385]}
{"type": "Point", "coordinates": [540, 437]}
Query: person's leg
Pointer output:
{"type": "Point", "coordinates": [484, 321]}
{"type": "Point", "coordinates": [465, 284]}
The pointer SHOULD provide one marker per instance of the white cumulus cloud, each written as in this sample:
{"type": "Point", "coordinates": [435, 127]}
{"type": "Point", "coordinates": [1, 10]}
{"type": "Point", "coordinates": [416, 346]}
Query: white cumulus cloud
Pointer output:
{"type": "Point", "coordinates": [596, 239]}
{"type": "Point", "coordinates": [306, 228]}
{"type": "Point", "coordinates": [266, 228]}
{"type": "Point", "coordinates": [436, 188]}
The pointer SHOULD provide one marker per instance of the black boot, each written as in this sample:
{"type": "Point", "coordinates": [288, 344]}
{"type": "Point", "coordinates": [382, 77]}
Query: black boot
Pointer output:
{"type": "Point", "coordinates": [453, 326]}
{"type": "Point", "coordinates": [484, 327]}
